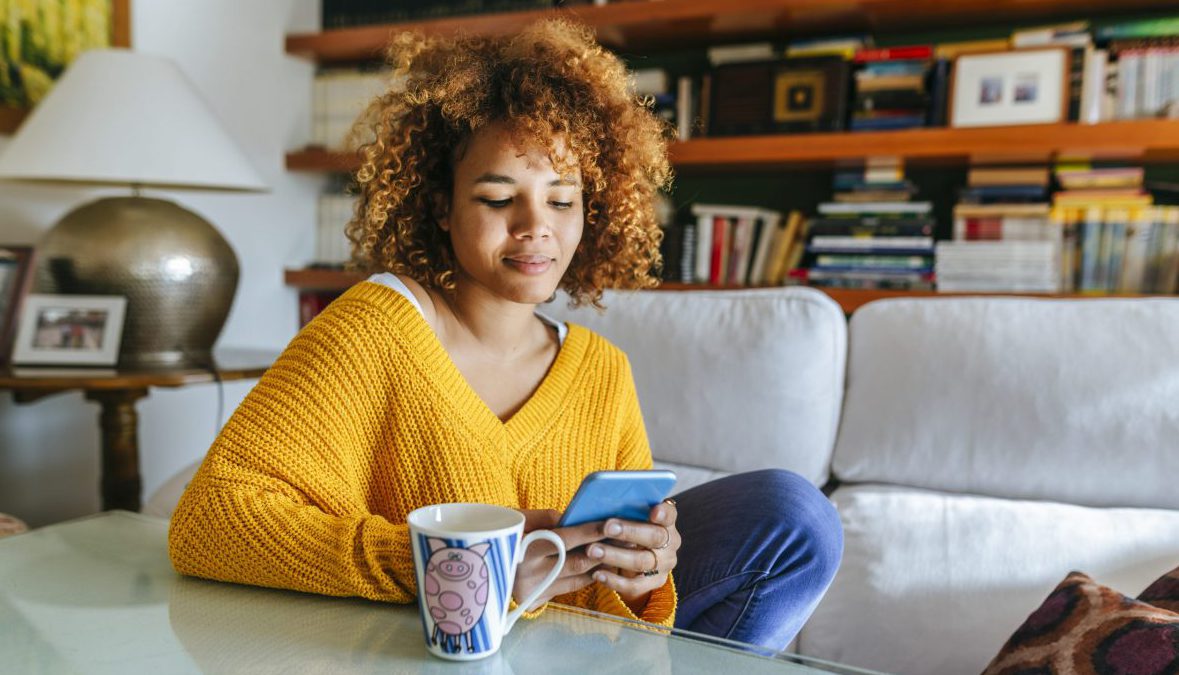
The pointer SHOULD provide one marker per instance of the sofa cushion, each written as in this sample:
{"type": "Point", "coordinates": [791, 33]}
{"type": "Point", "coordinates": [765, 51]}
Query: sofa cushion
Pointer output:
{"type": "Point", "coordinates": [933, 583]}
{"type": "Point", "coordinates": [1086, 628]}
{"type": "Point", "coordinates": [731, 380]}
{"type": "Point", "coordinates": [1066, 400]}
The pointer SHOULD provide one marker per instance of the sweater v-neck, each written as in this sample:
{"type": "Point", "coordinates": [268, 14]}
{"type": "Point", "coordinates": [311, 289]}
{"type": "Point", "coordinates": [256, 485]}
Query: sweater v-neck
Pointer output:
{"type": "Point", "coordinates": [536, 412]}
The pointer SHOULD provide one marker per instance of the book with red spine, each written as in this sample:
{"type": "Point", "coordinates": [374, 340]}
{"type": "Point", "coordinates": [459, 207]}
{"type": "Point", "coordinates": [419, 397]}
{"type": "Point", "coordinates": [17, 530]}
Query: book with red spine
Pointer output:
{"type": "Point", "coordinates": [906, 53]}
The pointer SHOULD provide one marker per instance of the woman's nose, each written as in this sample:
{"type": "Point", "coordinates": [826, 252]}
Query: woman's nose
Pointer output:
{"type": "Point", "coordinates": [532, 223]}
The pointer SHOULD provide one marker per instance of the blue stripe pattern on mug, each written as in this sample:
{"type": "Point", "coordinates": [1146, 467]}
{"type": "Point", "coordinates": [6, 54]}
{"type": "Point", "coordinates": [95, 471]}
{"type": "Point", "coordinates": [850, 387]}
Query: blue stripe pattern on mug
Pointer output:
{"type": "Point", "coordinates": [464, 585]}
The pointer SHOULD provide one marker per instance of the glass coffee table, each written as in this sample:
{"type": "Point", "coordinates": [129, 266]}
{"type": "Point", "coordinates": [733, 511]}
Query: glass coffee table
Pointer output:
{"type": "Point", "coordinates": [98, 595]}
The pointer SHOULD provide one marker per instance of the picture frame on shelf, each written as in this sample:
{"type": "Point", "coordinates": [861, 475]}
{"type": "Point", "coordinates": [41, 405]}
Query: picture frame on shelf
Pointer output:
{"type": "Point", "coordinates": [76, 330]}
{"type": "Point", "coordinates": [779, 96]}
{"type": "Point", "coordinates": [1022, 86]}
{"type": "Point", "coordinates": [16, 275]}
{"type": "Point", "coordinates": [107, 24]}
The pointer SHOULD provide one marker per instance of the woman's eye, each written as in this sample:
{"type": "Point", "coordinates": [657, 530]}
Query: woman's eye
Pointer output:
{"type": "Point", "coordinates": [562, 205]}
{"type": "Point", "coordinates": [495, 203]}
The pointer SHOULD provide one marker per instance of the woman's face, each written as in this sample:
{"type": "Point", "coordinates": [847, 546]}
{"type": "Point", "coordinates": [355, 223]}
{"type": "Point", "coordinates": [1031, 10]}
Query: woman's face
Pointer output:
{"type": "Point", "coordinates": [513, 221]}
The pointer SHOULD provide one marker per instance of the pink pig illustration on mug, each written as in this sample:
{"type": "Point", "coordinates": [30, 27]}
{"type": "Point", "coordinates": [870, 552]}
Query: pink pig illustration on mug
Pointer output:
{"type": "Point", "coordinates": [456, 585]}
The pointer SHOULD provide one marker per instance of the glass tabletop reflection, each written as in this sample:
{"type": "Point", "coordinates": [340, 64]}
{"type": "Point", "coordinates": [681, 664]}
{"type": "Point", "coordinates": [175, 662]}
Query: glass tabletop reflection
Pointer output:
{"type": "Point", "coordinates": [99, 595]}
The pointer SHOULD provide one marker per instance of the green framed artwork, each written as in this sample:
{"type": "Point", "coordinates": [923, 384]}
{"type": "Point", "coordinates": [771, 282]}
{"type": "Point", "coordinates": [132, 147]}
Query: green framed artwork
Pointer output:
{"type": "Point", "coordinates": [40, 38]}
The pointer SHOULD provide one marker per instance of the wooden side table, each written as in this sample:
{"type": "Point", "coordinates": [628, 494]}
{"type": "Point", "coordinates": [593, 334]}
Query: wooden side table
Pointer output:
{"type": "Point", "coordinates": [116, 393]}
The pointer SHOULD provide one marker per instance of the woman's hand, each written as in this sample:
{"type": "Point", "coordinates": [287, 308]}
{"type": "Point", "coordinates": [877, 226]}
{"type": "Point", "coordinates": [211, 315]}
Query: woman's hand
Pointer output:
{"type": "Point", "coordinates": [637, 557]}
{"type": "Point", "coordinates": [629, 557]}
{"type": "Point", "coordinates": [541, 556]}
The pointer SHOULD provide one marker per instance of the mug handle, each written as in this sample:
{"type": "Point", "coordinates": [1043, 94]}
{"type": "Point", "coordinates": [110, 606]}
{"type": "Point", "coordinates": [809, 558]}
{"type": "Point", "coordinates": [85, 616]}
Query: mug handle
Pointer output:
{"type": "Point", "coordinates": [529, 539]}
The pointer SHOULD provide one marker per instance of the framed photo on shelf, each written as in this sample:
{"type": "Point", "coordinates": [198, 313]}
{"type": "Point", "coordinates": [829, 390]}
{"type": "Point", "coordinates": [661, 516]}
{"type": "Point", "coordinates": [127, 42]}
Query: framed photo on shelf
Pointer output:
{"type": "Point", "coordinates": [16, 273]}
{"type": "Point", "coordinates": [77, 330]}
{"type": "Point", "coordinates": [779, 96]}
{"type": "Point", "coordinates": [1023, 86]}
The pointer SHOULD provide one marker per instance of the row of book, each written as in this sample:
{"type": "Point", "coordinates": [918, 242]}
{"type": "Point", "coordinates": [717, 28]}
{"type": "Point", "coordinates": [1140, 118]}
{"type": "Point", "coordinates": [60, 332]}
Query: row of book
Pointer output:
{"type": "Point", "coordinates": [1134, 74]}
{"type": "Point", "coordinates": [1100, 232]}
{"type": "Point", "coordinates": [732, 245]}
{"type": "Point", "coordinates": [338, 97]}
{"type": "Point", "coordinates": [334, 210]}
{"type": "Point", "coordinates": [1147, 73]}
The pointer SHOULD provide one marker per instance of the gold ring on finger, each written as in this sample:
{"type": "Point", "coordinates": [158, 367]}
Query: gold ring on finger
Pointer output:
{"type": "Point", "coordinates": [654, 565]}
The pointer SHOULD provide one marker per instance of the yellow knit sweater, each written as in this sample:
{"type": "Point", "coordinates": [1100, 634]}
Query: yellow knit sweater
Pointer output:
{"type": "Point", "coordinates": [364, 418]}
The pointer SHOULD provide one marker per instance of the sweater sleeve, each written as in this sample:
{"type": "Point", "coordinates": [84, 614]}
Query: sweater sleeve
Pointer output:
{"type": "Point", "coordinates": [634, 453]}
{"type": "Point", "coordinates": [278, 501]}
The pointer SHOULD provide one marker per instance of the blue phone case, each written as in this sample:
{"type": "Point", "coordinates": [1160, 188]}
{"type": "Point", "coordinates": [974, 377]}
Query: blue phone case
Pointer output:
{"type": "Point", "coordinates": [618, 494]}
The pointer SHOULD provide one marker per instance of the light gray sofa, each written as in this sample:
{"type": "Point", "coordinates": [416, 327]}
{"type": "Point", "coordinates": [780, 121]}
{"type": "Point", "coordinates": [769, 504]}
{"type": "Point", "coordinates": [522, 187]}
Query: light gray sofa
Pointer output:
{"type": "Point", "coordinates": [978, 448]}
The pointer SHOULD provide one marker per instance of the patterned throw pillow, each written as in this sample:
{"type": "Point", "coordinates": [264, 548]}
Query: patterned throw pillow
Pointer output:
{"type": "Point", "coordinates": [11, 525]}
{"type": "Point", "coordinates": [1084, 628]}
{"type": "Point", "coordinates": [1164, 593]}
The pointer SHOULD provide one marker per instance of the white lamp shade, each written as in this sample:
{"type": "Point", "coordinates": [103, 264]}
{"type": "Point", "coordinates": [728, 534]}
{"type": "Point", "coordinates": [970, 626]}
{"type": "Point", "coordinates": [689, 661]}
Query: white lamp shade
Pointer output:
{"type": "Point", "coordinates": [118, 117]}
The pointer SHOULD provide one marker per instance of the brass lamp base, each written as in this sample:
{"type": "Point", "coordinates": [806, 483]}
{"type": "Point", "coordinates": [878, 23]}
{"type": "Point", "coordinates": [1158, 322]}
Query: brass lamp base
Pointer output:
{"type": "Point", "coordinates": [177, 272]}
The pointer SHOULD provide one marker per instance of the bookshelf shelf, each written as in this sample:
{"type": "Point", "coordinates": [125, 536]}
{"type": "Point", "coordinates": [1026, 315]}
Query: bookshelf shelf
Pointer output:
{"type": "Point", "coordinates": [646, 25]}
{"type": "Point", "coordinates": [320, 279]}
{"type": "Point", "coordinates": [849, 299]}
{"type": "Point", "coordinates": [1147, 141]}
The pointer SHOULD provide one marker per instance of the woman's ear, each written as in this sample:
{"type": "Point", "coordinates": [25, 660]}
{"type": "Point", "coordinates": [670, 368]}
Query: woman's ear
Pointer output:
{"type": "Point", "coordinates": [442, 212]}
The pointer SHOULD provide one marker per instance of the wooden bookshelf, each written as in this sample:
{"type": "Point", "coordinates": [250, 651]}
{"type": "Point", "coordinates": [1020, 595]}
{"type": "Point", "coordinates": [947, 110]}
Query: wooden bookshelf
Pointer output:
{"type": "Point", "coordinates": [648, 25]}
{"type": "Point", "coordinates": [849, 299]}
{"type": "Point", "coordinates": [1146, 141]}
{"type": "Point", "coordinates": [320, 279]}
{"type": "Point", "coordinates": [640, 26]}
{"type": "Point", "coordinates": [321, 159]}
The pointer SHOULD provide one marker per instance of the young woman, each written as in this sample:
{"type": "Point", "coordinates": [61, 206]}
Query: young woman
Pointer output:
{"type": "Point", "coordinates": [498, 171]}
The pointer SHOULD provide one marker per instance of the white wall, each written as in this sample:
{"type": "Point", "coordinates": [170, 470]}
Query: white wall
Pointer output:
{"type": "Point", "coordinates": [233, 52]}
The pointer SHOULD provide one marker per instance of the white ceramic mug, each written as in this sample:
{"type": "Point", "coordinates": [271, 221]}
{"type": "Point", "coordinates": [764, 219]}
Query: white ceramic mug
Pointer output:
{"type": "Point", "coordinates": [465, 558]}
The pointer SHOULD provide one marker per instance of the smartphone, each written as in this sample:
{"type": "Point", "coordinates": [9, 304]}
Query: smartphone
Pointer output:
{"type": "Point", "coordinates": [629, 495]}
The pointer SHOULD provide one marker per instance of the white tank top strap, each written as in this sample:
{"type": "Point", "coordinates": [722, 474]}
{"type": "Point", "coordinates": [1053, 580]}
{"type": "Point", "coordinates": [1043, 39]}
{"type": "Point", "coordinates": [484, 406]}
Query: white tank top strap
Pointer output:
{"type": "Point", "coordinates": [389, 279]}
{"type": "Point", "coordinates": [561, 326]}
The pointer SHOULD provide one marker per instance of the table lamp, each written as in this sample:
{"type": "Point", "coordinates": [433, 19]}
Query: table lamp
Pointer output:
{"type": "Point", "coordinates": [118, 117]}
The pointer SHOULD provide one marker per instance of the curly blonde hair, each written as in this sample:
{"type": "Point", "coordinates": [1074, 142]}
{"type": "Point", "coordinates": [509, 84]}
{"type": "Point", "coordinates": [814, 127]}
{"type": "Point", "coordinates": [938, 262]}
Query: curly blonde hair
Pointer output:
{"type": "Point", "coordinates": [550, 79]}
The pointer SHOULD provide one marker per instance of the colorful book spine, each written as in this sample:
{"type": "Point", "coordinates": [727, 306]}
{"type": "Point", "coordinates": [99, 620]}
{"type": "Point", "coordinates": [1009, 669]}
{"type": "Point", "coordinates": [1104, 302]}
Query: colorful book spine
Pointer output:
{"type": "Point", "coordinates": [894, 53]}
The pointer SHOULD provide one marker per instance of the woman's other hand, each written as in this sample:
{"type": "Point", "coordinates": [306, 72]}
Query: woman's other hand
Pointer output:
{"type": "Point", "coordinates": [541, 556]}
{"type": "Point", "coordinates": [636, 557]}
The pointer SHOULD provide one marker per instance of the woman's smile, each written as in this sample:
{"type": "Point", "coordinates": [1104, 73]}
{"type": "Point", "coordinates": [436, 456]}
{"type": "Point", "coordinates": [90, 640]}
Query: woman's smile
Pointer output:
{"type": "Point", "coordinates": [530, 264]}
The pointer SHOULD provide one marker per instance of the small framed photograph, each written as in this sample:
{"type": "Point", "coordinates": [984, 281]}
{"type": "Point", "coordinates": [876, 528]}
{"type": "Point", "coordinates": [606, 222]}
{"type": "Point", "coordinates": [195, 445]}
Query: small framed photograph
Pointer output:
{"type": "Point", "coordinates": [79, 330]}
{"type": "Point", "coordinates": [1023, 86]}
{"type": "Point", "coordinates": [16, 274]}
{"type": "Point", "coordinates": [779, 96]}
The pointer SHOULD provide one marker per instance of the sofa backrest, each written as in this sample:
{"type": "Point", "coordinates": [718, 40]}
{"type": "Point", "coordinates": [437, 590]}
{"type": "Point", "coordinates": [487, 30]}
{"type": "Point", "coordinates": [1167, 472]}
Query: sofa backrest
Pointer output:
{"type": "Point", "coordinates": [1064, 400]}
{"type": "Point", "coordinates": [730, 380]}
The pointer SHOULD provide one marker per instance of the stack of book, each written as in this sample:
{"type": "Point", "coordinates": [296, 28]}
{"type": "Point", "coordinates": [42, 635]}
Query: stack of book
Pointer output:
{"type": "Point", "coordinates": [871, 235]}
{"type": "Point", "coordinates": [339, 95]}
{"type": "Point", "coordinates": [891, 88]}
{"type": "Point", "coordinates": [740, 245]}
{"type": "Point", "coordinates": [1123, 243]}
{"type": "Point", "coordinates": [1003, 239]}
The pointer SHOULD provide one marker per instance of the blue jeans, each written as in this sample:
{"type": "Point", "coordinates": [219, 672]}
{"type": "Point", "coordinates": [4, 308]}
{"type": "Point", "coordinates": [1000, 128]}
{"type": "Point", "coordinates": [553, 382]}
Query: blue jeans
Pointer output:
{"type": "Point", "coordinates": [759, 551]}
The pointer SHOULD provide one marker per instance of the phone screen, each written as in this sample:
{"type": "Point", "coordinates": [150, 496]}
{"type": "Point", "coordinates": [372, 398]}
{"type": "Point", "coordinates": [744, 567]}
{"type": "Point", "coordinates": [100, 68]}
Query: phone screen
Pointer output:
{"type": "Point", "coordinates": [629, 495]}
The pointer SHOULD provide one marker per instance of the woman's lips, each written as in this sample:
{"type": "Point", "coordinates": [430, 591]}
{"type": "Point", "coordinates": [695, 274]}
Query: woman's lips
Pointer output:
{"type": "Point", "coordinates": [530, 264]}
